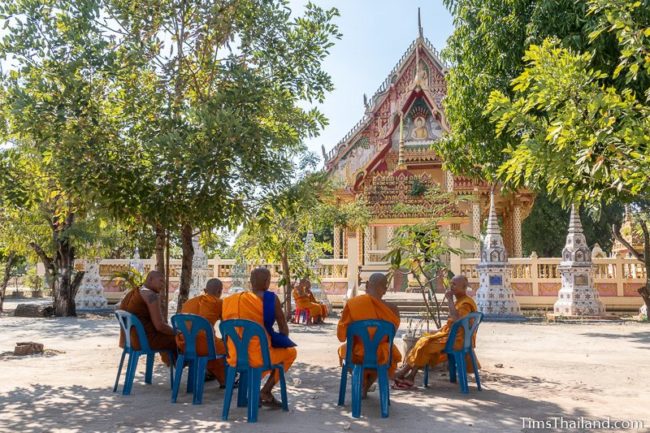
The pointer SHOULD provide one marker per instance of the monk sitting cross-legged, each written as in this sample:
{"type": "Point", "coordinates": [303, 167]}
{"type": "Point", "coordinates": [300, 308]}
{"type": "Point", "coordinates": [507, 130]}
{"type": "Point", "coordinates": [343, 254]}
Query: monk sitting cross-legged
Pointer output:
{"type": "Point", "coordinates": [306, 300]}
{"type": "Point", "coordinates": [262, 306]}
{"type": "Point", "coordinates": [428, 349]}
{"type": "Point", "coordinates": [207, 305]}
{"type": "Point", "coordinates": [365, 307]}
{"type": "Point", "coordinates": [144, 303]}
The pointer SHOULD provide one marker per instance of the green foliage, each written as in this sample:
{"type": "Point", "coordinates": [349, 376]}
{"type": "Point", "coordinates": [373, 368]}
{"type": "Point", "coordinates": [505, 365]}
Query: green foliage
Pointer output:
{"type": "Point", "coordinates": [130, 279]}
{"type": "Point", "coordinates": [421, 249]}
{"type": "Point", "coordinates": [544, 230]}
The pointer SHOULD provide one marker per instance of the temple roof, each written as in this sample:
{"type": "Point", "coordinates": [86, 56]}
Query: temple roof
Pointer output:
{"type": "Point", "coordinates": [374, 104]}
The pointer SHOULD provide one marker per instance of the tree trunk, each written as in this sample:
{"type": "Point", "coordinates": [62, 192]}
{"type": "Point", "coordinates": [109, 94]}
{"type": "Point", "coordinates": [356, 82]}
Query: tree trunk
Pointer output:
{"type": "Point", "coordinates": [286, 272]}
{"type": "Point", "coordinates": [11, 261]}
{"type": "Point", "coordinates": [68, 283]}
{"type": "Point", "coordinates": [644, 257]}
{"type": "Point", "coordinates": [160, 248]}
{"type": "Point", "coordinates": [186, 265]}
{"type": "Point", "coordinates": [164, 303]}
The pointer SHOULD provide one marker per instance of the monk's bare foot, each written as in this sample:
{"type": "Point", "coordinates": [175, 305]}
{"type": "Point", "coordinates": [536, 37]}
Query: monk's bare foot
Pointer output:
{"type": "Point", "coordinates": [269, 400]}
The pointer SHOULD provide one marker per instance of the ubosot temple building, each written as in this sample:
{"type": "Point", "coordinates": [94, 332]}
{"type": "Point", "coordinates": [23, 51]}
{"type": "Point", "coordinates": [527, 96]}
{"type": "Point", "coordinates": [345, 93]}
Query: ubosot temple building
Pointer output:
{"type": "Point", "coordinates": [387, 158]}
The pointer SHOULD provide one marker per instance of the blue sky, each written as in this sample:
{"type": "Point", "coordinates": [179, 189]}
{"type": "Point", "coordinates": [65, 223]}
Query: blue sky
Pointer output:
{"type": "Point", "coordinates": [375, 35]}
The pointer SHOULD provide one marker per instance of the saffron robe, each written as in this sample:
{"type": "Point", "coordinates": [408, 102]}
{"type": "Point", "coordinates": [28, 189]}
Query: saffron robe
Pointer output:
{"type": "Point", "coordinates": [308, 302]}
{"type": "Point", "coordinates": [208, 307]}
{"type": "Point", "coordinates": [428, 349]}
{"type": "Point", "coordinates": [135, 304]}
{"type": "Point", "coordinates": [247, 305]}
{"type": "Point", "coordinates": [364, 307]}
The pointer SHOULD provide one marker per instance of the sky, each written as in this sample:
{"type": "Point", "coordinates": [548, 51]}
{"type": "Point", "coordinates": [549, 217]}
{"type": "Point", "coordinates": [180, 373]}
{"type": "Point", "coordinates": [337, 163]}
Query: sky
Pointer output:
{"type": "Point", "coordinates": [376, 33]}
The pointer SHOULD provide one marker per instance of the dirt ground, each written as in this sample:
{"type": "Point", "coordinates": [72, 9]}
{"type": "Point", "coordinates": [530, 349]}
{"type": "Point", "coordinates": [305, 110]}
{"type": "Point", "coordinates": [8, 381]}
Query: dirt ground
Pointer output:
{"type": "Point", "coordinates": [530, 371]}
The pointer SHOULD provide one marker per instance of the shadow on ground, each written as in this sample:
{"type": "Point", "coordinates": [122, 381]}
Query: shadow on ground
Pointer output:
{"type": "Point", "coordinates": [313, 395]}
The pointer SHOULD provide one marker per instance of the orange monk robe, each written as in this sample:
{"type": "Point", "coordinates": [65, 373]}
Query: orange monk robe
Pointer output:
{"type": "Point", "coordinates": [247, 305]}
{"type": "Point", "coordinates": [323, 307]}
{"type": "Point", "coordinates": [304, 301]}
{"type": "Point", "coordinates": [428, 349]}
{"type": "Point", "coordinates": [364, 307]}
{"type": "Point", "coordinates": [208, 307]}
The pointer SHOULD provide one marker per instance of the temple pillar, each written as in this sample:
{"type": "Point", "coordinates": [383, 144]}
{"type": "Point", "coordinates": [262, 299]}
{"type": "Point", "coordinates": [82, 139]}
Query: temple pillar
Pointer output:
{"type": "Point", "coordinates": [336, 247]}
{"type": "Point", "coordinates": [495, 297]}
{"type": "Point", "coordinates": [367, 242]}
{"type": "Point", "coordinates": [454, 259]}
{"type": "Point", "coordinates": [353, 263]}
{"type": "Point", "coordinates": [476, 226]}
{"type": "Point", "coordinates": [449, 181]}
{"type": "Point", "coordinates": [516, 231]}
{"type": "Point", "coordinates": [577, 296]}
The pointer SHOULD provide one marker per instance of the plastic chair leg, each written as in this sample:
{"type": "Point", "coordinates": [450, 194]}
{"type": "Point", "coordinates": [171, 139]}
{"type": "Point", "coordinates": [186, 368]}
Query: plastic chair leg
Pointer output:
{"type": "Point", "coordinates": [119, 371]}
{"type": "Point", "coordinates": [242, 391]}
{"type": "Point", "coordinates": [199, 380]}
{"type": "Point", "coordinates": [384, 390]}
{"type": "Point", "coordinates": [343, 384]}
{"type": "Point", "coordinates": [283, 390]}
{"type": "Point", "coordinates": [176, 384]}
{"type": "Point", "coordinates": [426, 376]}
{"type": "Point", "coordinates": [462, 373]}
{"type": "Point", "coordinates": [451, 360]}
{"type": "Point", "coordinates": [191, 379]}
{"type": "Point", "coordinates": [148, 373]}
{"type": "Point", "coordinates": [475, 367]}
{"type": "Point", "coordinates": [131, 368]}
{"type": "Point", "coordinates": [254, 383]}
{"type": "Point", "coordinates": [227, 398]}
{"type": "Point", "coordinates": [357, 384]}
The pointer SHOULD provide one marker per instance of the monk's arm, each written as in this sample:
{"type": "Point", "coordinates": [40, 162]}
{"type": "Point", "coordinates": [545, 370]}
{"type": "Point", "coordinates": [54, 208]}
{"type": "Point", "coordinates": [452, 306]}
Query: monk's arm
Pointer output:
{"type": "Point", "coordinates": [342, 327]}
{"type": "Point", "coordinates": [153, 304]}
{"type": "Point", "coordinates": [453, 313]}
{"type": "Point", "coordinates": [279, 317]}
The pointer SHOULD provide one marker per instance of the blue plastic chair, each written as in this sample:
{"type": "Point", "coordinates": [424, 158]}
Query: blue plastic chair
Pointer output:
{"type": "Point", "coordinates": [196, 364]}
{"type": "Point", "coordinates": [383, 329]}
{"type": "Point", "coordinates": [250, 379]}
{"type": "Point", "coordinates": [456, 358]}
{"type": "Point", "coordinates": [128, 321]}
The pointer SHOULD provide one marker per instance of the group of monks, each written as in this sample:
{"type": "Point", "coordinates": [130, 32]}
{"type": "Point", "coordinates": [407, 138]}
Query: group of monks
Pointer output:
{"type": "Point", "coordinates": [144, 302]}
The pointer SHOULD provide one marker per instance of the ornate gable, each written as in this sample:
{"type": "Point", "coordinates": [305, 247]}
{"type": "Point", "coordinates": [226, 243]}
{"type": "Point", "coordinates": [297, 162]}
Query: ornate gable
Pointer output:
{"type": "Point", "coordinates": [412, 92]}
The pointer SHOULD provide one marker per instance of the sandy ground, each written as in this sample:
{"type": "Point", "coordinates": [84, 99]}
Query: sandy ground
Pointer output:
{"type": "Point", "coordinates": [593, 371]}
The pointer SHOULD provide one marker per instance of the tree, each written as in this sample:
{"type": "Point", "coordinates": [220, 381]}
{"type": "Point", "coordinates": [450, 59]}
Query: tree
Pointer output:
{"type": "Point", "coordinates": [486, 53]}
{"type": "Point", "coordinates": [420, 249]}
{"type": "Point", "coordinates": [209, 97]}
{"type": "Point", "coordinates": [544, 230]}
{"type": "Point", "coordinates": [580, 125]}
{"type": "Point", "coordinates": [277, 232]}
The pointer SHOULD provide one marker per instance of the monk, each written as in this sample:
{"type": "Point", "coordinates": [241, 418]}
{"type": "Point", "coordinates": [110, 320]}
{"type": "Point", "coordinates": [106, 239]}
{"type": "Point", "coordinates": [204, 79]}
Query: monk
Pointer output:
{"type": "Point", "coordinates": [209, 306]}
{"type": "Point", "coordinates": [428, 349]}
{"type": "Point", "coordinates": [364, 307]}
{"type": "Point", "coordinates": [250, 306]}
{"type": "Point", "coordinates": [144, 303]}
{"type": "Point", "coordinates": [305, 299]}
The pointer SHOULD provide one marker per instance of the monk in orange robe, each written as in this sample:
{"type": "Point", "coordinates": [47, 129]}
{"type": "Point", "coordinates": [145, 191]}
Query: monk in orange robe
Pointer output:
{"type": "Point", "coordinates": [305, 299]}
{"type": "Point", "coordinates": [428, 349]}
{"type": "Point", "coordinates": [209, 306]}
{"type": "Point", "coordinates": [249, 306]}
{"type": "Point", "coordinates": [144, 303]}
{"type": "Point", "coordinates": [364, 307]}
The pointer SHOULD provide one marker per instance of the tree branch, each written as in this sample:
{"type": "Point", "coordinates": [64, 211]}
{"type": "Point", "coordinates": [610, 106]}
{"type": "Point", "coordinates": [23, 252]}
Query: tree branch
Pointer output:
{"type": "Point", "coordinates": [47, 261]}
{"type": "Point", "coordinates": [616, 230]}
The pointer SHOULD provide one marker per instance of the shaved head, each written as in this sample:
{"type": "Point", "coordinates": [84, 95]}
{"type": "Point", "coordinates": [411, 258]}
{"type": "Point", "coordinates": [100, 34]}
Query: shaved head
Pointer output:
{"type": "Point", "coordinates": [260, 279]}
{"type": "Point", "coordinates": [377, 285]}
{"type": "Point", "coordinates": [155, 281]}
{"type": "Point", "coordinates": [459, 285]}
{"type": "Point", "coordinates": [214, 287]}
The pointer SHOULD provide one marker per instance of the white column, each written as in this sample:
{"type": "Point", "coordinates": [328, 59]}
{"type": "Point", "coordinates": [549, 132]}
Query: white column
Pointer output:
{"type": "Point", "coordinates": [454, 259]}
{"type": "Point", "coordinates": [449, 180]}
{"type": "Point", "coordinates": [353, 263]}
{"type": "Point", "coordinates": [516, 228]}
